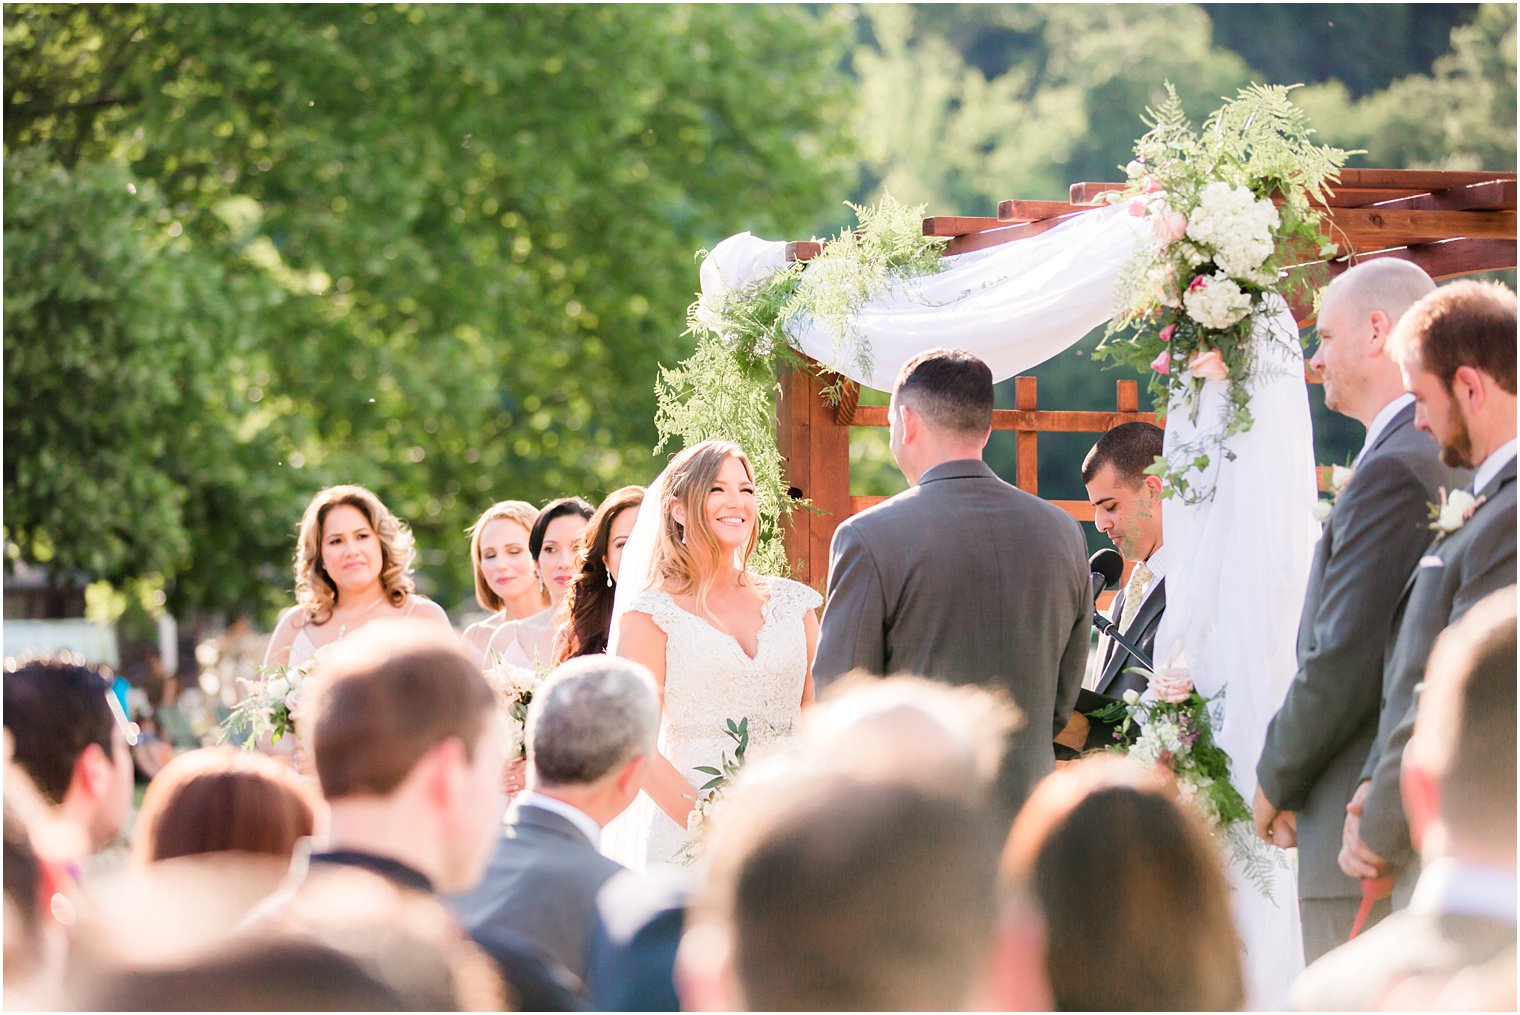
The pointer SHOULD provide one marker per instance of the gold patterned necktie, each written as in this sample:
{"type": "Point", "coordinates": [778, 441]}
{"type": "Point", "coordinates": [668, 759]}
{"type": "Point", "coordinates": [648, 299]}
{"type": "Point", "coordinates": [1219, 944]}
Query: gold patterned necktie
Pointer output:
{"type": "Point", "coordinates": [1134, 594]}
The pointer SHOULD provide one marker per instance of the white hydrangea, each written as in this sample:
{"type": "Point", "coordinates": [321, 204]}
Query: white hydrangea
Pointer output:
{"type": "Point", "coordinates": [1216, 303]}
{"type": "Point", "coordinates": [1236, 225]}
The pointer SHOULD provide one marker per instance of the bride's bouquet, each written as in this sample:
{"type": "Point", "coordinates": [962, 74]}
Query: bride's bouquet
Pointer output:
{"type": "Point", "coordinates": [514, 687]}
{"type": "Point", "coordinates": [271, 703]}
{"type": "Point", "coordinates": [710, 795]}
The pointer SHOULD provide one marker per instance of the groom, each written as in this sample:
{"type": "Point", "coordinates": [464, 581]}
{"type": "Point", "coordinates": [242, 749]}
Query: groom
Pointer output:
{"type": "Point", "coordinates": [962, 578]}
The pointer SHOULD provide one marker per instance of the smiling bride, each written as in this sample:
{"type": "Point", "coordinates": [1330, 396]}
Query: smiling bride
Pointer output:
{"type": "Point", "coordinates": [722, 642]}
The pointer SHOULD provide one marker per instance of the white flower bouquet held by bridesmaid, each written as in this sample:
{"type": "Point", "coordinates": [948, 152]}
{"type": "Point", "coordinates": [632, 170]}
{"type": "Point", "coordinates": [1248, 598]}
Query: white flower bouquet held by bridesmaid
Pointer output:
{"type": "Point", "coordinates": [514, 687]}
{"type": "Point", "coordinates": [270, 705]}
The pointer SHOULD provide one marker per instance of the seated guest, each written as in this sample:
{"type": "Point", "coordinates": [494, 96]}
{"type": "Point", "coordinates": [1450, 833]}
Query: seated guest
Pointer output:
{"type": "Point", "coordinates": [591, 733]}
{"type": "Point", "coordinates": [1138, 921]}
{"type": "Point", "coordinates": [72, 740]}
{"type": "Point", "coordinates": [1459, 792]}
{"type": "Point", "coordinates": [220, 799]}
{"type": "Point", "coordinates": [35, 947]}
{"type": "Point", "coordinates": [588, 604]}
{"type": "Point", "coordinates": [631, 957]}
{"type": "Point", "coordinates": [403, 735]}
{"type": "Point", "coordinates": [1127, 509]}
{"type": "Point", "coordinates": [832, 892]}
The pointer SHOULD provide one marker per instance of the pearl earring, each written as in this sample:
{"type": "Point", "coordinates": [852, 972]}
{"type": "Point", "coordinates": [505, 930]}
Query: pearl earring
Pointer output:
{"type": "Point", "coordinates": [609, 579]}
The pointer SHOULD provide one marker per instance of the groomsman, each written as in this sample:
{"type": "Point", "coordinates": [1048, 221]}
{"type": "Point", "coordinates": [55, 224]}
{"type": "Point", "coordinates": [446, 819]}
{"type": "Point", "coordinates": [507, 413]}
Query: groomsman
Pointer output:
{"type": "Point", "coordinates": [962, 578]}
{"type": "Point", "coordinates": [1316, 745]}
{"type": "Point", "coordinates": [1456, 351]}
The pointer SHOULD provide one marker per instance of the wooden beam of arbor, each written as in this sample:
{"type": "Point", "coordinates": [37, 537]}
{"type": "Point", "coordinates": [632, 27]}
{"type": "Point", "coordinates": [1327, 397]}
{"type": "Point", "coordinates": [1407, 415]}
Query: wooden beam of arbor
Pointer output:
{"type": "Point", "coordinates": [1354, 185]}
{"type": "Point", "coordinates": [1029, 420]}
{"type": "Point", "coordinates": [1440, 260]}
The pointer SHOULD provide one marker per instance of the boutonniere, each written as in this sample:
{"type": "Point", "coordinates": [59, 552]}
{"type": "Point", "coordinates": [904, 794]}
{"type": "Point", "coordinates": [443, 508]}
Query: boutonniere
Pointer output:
{"type": "Point", "coordinates": [1453, 511]}
{"type": "Point", "coordinates": [1332, 481]}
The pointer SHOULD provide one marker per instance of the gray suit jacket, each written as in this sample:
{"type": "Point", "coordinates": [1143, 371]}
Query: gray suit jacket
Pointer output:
{"type": "Point", "coordinates": [1456, 572]}
{"type": "Point", "coordinates": [966, 579]}
{"type": "Point", "coordinates": [1316, 745]}
{"type": "Point", "coordinates": [1119, 663]}
{"type": "Point", "coordinates": [540, 886]}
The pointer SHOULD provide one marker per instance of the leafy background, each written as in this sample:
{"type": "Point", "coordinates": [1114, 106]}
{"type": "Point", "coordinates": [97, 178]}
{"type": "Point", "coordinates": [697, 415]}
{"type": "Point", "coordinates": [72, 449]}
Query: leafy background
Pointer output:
{"type": "Point", "coordinates": [442, 250]}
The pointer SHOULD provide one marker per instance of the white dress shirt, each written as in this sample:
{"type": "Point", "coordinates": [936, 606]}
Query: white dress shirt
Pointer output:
{"type": "Point", "coordinates": [1380, 423]}
{"type": "Point", "coordinates": [1501, 457]}
{"type": "Point", "coordinates": [1461, 888]}
{"type": "Point", "coordinates": [577, 817]}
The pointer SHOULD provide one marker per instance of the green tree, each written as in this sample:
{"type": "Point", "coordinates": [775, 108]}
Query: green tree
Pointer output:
{"type": "Point", "coordinates": [436, 250]}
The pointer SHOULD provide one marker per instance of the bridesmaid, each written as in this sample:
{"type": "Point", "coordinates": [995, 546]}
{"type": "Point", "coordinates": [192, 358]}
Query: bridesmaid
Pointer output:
{"type": "Point", "coordinates": [506, 581]}
{"type": "Point", "coordinates": [588, 605]}
{"type": "Point", "coordinates": [352, 566]}
{"type": "Point", "coordinates": [553, 542]}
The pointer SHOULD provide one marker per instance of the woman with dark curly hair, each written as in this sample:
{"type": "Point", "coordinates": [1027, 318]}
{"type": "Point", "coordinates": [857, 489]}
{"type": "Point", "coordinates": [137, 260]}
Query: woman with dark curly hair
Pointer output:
{"type": "Point", "coordinates": [588, 604]}
{"type": "Point", "coordinates": [352, 565]}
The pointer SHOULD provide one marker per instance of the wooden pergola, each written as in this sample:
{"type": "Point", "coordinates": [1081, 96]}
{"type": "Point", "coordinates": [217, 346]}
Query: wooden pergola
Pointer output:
{"type": "Point", "coordinates": [1448, 223]}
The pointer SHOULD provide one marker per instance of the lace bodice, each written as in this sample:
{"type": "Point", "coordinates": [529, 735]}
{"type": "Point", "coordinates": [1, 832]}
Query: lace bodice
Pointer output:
{"type": "Point", "coordinates": [709, 679]}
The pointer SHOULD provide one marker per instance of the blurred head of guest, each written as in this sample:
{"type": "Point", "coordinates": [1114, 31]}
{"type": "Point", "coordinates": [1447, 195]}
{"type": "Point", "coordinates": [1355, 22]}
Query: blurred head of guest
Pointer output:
{"type": "Point", "coordinates": [35, 944]}
{"type": "Point", "coordinates": [350, 544]}
{"type": "Point", "coordinates": [1458, 778]}
{"type": "Point", "coordinates": [408, 751]}
{"type": "Point", "coordinates": [835, 893]}
{"type": "Point", "coordinates": [1164, 938]}
{"type": "Point", "coordinates": [505, 580]}
{"type": "Point", "coordinates": [1456, 351]}
{"type": "Point", "coordinates": [555, 540]}
{"type": "Point", "coordinates": [74, 743]}
{"type": "Point", "coordinates": [589, 601]}
{"type": "Point", "coordinates": [220, 799]}
{"type": "Point", "coordinates": [957, 734]}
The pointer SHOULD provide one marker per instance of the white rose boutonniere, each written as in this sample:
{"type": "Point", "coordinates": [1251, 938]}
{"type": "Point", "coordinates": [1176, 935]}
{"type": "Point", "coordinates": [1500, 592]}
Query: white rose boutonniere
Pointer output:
{"type": "Point", "coordinates": [1453, 511]}
{"type": "Point", "coordinates": [1332, 482]}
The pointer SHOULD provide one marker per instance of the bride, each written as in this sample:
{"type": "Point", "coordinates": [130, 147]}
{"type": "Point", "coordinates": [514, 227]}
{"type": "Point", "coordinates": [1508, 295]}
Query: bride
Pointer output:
{"type": "Point", "coordinates": [723, 643]}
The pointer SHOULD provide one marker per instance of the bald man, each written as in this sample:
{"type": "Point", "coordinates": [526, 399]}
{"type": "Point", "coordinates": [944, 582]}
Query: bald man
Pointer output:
{"type": "Point", "coordinates": [1376, 532]}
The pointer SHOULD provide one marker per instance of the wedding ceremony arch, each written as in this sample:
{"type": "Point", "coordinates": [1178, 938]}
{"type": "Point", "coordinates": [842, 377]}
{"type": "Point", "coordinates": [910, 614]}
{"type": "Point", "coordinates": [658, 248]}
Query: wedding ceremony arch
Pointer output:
{"type": "Point", "coordinates": [1448, 223]}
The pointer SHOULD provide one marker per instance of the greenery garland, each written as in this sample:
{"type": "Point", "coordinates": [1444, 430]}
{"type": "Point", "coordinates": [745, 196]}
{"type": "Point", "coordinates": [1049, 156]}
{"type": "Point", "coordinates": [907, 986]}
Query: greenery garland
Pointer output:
{"type": "Point", "coordinates": [727, 387]}
{"type": "Point", "coordinates": [1229, 209]}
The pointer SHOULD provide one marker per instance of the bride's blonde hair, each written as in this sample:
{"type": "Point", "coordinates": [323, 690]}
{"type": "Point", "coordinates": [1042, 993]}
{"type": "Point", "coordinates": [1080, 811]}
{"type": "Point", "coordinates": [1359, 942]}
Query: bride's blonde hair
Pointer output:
{"type": "Point", "coordinates": [686, 556]}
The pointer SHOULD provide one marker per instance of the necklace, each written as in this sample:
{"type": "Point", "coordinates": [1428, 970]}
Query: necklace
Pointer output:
{"type": "Point", "coordinates": [343, 627]}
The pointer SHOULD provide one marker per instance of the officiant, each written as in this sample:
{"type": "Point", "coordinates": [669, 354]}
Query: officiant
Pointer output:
{"type": "Point", "coordinates": [1127, 509]}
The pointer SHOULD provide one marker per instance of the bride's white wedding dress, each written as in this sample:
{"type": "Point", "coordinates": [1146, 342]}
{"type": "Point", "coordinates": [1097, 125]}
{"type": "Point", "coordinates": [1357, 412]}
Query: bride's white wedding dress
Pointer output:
{"type": "Point", "coordinates": [710, 679]}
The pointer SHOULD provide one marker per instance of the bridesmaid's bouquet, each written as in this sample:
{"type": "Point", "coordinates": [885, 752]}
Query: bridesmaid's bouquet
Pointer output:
{"type": "Point", "coordinates": [271, 703]}
{"type": "Point", "coordinates": [514, 687]}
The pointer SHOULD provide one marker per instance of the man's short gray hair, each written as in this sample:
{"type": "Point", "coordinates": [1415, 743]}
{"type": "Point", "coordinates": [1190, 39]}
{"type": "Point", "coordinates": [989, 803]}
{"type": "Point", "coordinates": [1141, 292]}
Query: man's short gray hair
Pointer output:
{"type": "Point", "coordinates": [589, 717]}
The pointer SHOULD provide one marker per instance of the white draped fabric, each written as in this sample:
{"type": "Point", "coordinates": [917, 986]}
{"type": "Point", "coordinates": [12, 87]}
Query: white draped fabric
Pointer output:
{"type": "Point", "coordinates": [1237, 566]}
{"type": "Point", "coordinates": [1237, 563]}
{"type": "Point", "coordinates": [1014, 305]}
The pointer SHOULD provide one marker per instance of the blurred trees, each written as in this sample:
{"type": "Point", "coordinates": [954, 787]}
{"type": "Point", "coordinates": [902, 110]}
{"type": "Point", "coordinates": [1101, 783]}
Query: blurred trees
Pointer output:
{"type": "Point", "coordinates": [251, 251]}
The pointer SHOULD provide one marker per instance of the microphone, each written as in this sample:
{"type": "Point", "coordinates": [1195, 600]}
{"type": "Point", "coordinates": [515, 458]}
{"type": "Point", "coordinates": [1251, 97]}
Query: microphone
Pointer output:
{"type": "Point", "coordinates": [1107, 567]}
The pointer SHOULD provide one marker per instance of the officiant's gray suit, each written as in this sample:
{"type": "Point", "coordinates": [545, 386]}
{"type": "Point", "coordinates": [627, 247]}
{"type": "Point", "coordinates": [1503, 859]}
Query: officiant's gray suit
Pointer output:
{"type": "Point", "coordinates": [1455, 573]}
{"type": "Point", "coordinates": [966, 579]}
{"type": "Point", "coordinates": [540, 887]}
{"type": "Point", "coordinates": [1318, 741]}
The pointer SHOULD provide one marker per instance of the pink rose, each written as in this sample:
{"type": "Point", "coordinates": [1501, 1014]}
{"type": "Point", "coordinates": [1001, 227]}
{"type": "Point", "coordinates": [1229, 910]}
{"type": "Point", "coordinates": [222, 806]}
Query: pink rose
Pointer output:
{"type": "Point", "coordinates": [1137, 208]}
{"type": "Point", "coordinates": [1199, 281]}
{"type": "Point", "coordinates": [1167, 332]}
{"type": "Point", "coordinates": [1150, 186]}
{"type": "Point", "coordinates": [1209, 365]}
{"type": "Point", "coordinates": [1162, 364]}
{"type": "Point", "coordinates": [1168, 226]}
{"type": "Point", "coordinates": [1171, 685]}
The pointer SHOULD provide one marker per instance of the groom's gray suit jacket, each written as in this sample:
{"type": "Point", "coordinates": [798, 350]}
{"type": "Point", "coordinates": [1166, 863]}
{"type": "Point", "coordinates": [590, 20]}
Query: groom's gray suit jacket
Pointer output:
{"type": "Point", "coordinates": [1320, 737]}
{"type": "Point", "coordinates": [1455, 573]}
{"type": "Point", "coordinates": [968, 580]}
{"type": "Point", "coordinates": [540, 887]}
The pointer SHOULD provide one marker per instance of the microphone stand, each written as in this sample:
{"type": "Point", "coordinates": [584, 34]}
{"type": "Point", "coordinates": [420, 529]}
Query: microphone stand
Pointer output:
{"type": "Point", "coordinates": [1108, 627]}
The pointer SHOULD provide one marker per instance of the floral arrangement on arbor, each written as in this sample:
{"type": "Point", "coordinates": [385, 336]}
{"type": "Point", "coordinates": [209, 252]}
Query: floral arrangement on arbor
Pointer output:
{"type": "Point", "coordinates": [1177, 737]}
{"type": "Point", "coordinates": [1229, 208]}
{"type": "Point", "coordinates": [727, 387]}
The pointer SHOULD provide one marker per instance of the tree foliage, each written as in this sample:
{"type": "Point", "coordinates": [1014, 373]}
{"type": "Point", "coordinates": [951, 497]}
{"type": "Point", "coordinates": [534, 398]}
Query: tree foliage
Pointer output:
{"type": "Point", "coordinates": [436, 250]}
